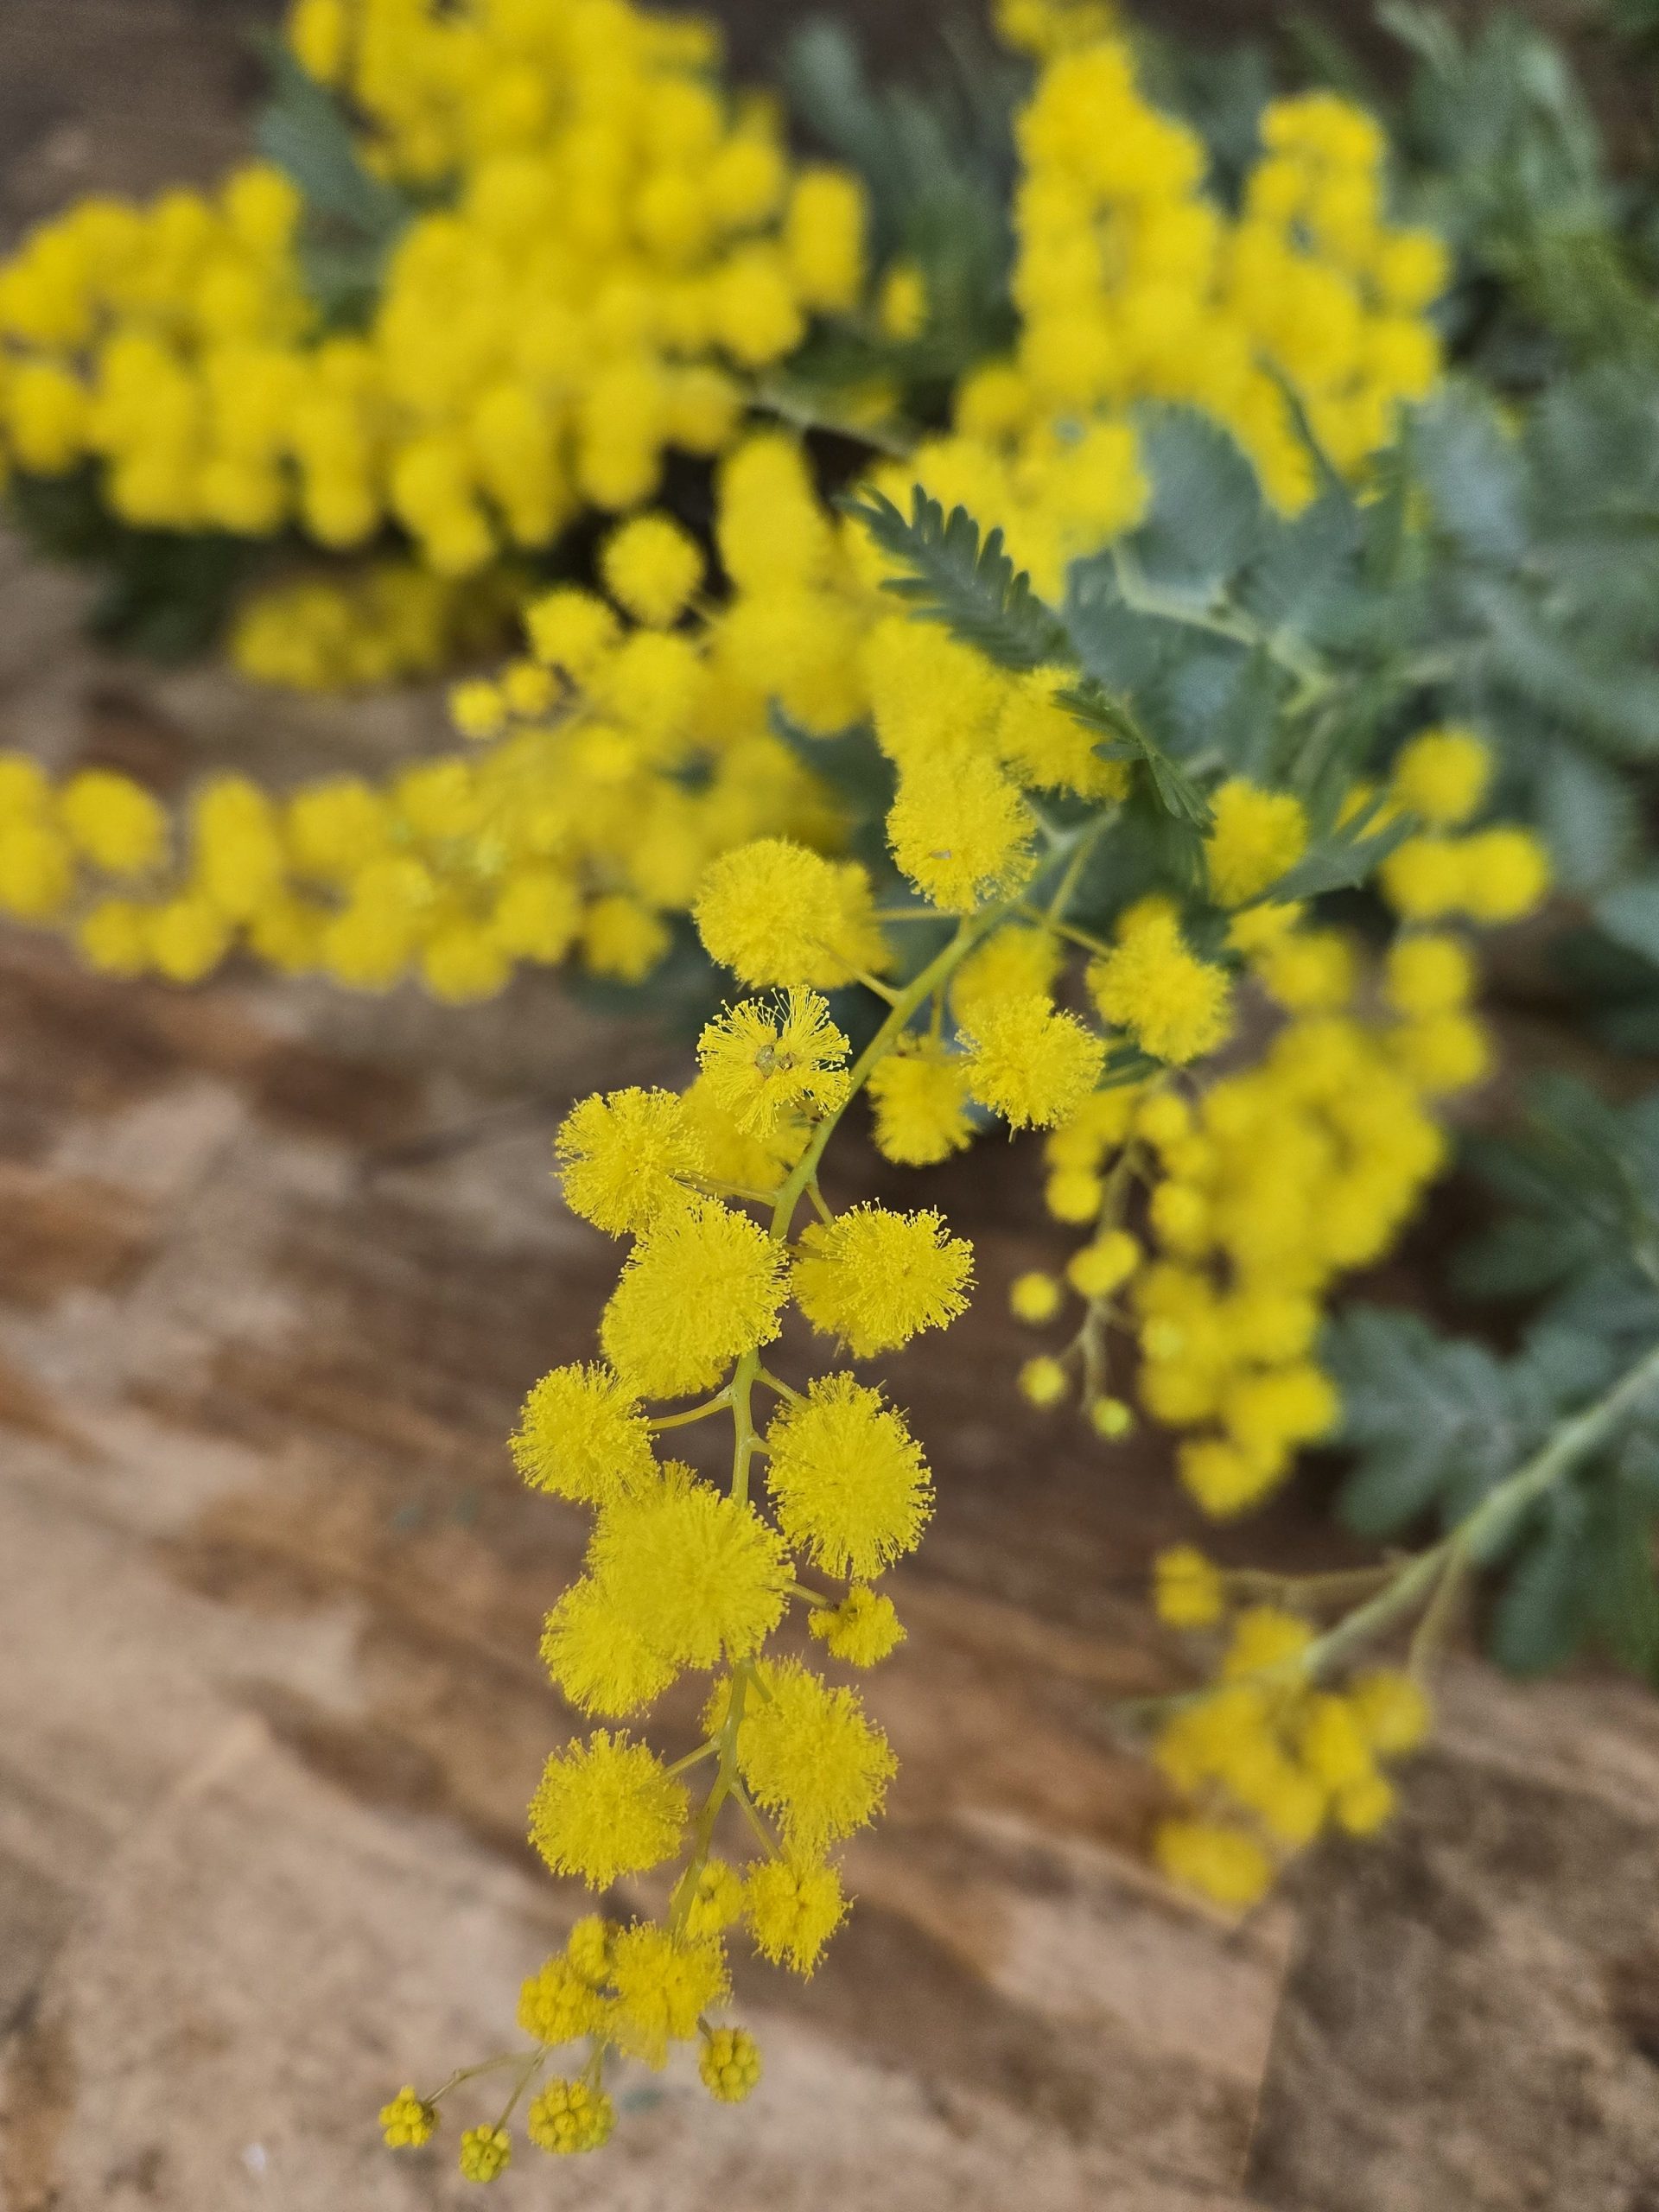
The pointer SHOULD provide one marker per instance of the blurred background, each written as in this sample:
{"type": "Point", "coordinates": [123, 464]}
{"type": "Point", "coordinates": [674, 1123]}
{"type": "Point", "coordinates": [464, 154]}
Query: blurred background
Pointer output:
{"type": "Point", "coordinates": [275, 1269]}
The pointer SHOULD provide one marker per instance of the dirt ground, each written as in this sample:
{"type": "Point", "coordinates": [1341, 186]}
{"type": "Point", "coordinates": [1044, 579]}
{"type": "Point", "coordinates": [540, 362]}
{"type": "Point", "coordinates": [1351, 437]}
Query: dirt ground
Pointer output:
{"type": "Point", "coordinates": [269, 1597]}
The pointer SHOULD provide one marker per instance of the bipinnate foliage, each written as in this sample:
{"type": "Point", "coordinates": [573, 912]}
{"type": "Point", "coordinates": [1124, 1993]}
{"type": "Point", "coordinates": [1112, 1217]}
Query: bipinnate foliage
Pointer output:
{"type": "Point", "coordinates": [1437, 1422]}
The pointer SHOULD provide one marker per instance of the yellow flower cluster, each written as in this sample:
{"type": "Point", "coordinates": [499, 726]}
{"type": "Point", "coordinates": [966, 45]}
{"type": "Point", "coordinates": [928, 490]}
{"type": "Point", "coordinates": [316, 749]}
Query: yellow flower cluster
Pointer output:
{"type": "Point", "coordinates": [603, 244]}
{"type": "Point", "coordinates": [1132, 284]}
{"type": "Point", "coordinates": [604, 772]}
{"type": "Point", "coordinates": [1263, 1181]}
{"type": "Point", "coordinates": [1257, 1192]}
{"type": "Point", "coordinates": [1269, 1757]}
{"type": "Point", "coordinates": [387, 622]}
{"type": "Point", "coordinates": [684, 1574]}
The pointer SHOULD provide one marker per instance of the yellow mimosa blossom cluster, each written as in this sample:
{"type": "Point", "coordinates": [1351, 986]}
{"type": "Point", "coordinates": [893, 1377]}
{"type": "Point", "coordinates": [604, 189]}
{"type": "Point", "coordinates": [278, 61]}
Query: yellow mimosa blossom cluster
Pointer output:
{"type": "Point", "coordinates": [1222, 1214]}
{"type": "Point", "coordinates": [1132, 284]}
{"type": "Point", "coordinates": [1270, 1756]}
{"type": "Point", "coordinates": [1271, 1173]}
{"type": "Point", "coordinates": [387, 622]}
{"type": "Point", "coordinates": [604, 251]}
{"type": "Point", "coordinates": [604, 772]}
{"type": "Point", "coordinates": [603, 243]}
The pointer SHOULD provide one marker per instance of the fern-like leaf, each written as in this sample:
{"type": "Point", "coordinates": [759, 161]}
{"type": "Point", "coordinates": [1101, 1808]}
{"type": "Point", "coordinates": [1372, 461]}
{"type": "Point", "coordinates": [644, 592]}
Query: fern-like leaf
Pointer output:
{"type": "Point", "coordinates": [962, 579]}
{"type": "Point", "coordinates": [1123, 738]}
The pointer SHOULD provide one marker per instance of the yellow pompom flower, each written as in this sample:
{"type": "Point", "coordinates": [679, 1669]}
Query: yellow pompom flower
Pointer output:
{"type": "Point", "coordinates": [1364, 1805]}
{"type": "Point", "coordinates": [1188, 1591]}
{"type": "Point", "coordinates": [1392, 1711]}
{"type": "Point", "coordinates": [1505, 874]}
{"type": "Point", "coordinates": [716, 1901]}
{"type": "Point", "coordinates": [605, 1807]}
{"type": "Point", "coordinates": [1266, 1640]}
{"type": "Point", "coordinates": [863, 1630]}
{"type": "Point", "coordinates": [664, 1985]}
{"type": "Point", "coordinates": [791, 1910]}
{"type": "Point", "coordinates": [580, 1435]}
{"type": "Point", "coordinates": [463, 964]}
{"type": "Point", "coordinates": [1442, 1052]}
{"type": "Point", "coordinates": [1425, 878]}
{"type": "Point", "coordinates": [1111, 1419]}
{"type": "Point", "coordinates": [486, 2153]}
{"type": "Point", "coordinates": [1428, 973]}
{"type": "Point", "coordinates": [1280, 1405]}
{"type": "Point", "coordinates": [113, 937]}
{"type": "Point", "coordinates": [536, 915]}
{"type": "Point", "coordinates": [1029, 1062]}
{"type": "Point", "coordinates": [809, 1754]}
{"type": "Point", "coordinates": [623, 1155]}
{"type": "Point", "coordinates": [1014, 962]}
{"type": "Point", "coordinates": [1104, 1266]}
{"type": "Point", "coordinates": [774, 912]}
{"type": "Point", "coordinates": [556, 2004]}
{"type": "Point", "coordinates": [651, 567]}
{"type": "Point", "coordinates": [875, 1278]}
{"type": "Point", "coordinates": [1042, 745]}
{"type": "Point", "coordinates": [1256, 838]}
{"type": "Point", "coordinates": [597, 1655]}
{"type": "Point", "coordinates": [118, 826]}
{"type": "Point", "coordinates": [1441, 775]}
{"type": "Point", "coordinates": [188, 937]}
{"type": "Point", "coordinates": [623, 939]}
{"type": "Point", "coordinates": [704, 1285]}
{"type": "Point", "coordinates": [1331, 1743]}
{"type": "Point", "coordinates": [902, 306]}
{"type": "Point", "coordinates": [1042, 1381]}
{"type": "Point", "coordinates": [768, 1063]}
{"type": "Point", "coordinates": [848, 1481]}
{"type": "Point", "coordinates": [408, 2122]}
{"type": "Point", "coordinates": [919, 1094]}
{"type": "Point", "coordinates": [824, 237]}
{"type": "Point", "coordinates": [1073, 1195]}
{"type": "Point", "coordinates": [572, 630]}
{"type": "Point", "coordinates": [1223, 1478]}
{"type": "Point", "coordinates": [37, 873]}
{"type": "Point", "coordinates": [960, 830]}
{"type": "Point", "coordinates": [477, 710]}
{"type": "Point", "coordinates": [1226, 1864]}
{"type": "Point", "coordinates": [568, 2117]}
{"type": "Point", "coordinates": [698, 1574]}
{"type": "Point", "coordinates": [730, 2064]}
{"type": "Point", "coordinates": [1174, 1004]}
{"type": "Point", "coordinates": [1035, 1298]}
{"type": "Point", "coordinates": [1309, 971]}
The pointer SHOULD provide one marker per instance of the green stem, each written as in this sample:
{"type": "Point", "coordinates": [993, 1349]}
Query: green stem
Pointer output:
{"type": "Point", "coordinates": [724, 1783]}
{"type": "Point", "coordinates": [532, 2067]}
{"type": "Point", "coordinates": [777, 1386]}
{"type": "Point", "coordinates": [1138, 593]}
{"type": "Point", "coordinates": [714, 1405]}
{"type": "Point", "coordinates": [1086, 843]}
{"type": "Point", "coordinates": [1571, 1442]}
{"type": "Point", "coordinates": [470, 2072]}
{"type": "Point", "coordinates": [1067, 930]}
{"type": "Point", "coordinates": [745, 1806]}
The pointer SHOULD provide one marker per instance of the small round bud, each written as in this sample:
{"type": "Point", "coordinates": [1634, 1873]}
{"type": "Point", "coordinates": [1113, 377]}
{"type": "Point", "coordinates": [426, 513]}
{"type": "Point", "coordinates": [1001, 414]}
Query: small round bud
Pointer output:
{"type": "Point", "coordinates": [1111, 1418]}
{"type": "Point", "coordinates": [1043, 1381]}
{"type": "Point", "coordinates": [1035, 1298]}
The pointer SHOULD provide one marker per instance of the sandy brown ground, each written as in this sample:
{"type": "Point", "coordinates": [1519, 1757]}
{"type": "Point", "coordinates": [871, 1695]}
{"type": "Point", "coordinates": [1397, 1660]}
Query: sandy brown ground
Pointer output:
{"type": "Point", "coordinates": [269, 1708]}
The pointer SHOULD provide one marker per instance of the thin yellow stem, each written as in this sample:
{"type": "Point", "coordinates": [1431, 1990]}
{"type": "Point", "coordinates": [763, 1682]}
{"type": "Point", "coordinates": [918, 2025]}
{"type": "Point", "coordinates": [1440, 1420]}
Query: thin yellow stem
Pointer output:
{"type": "Point", "coordinates": [1067, 930]}
{"type": "Point", "coordinates": [716, 1404]}
{"type": "Point", "coordinates": [776, 1384]}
